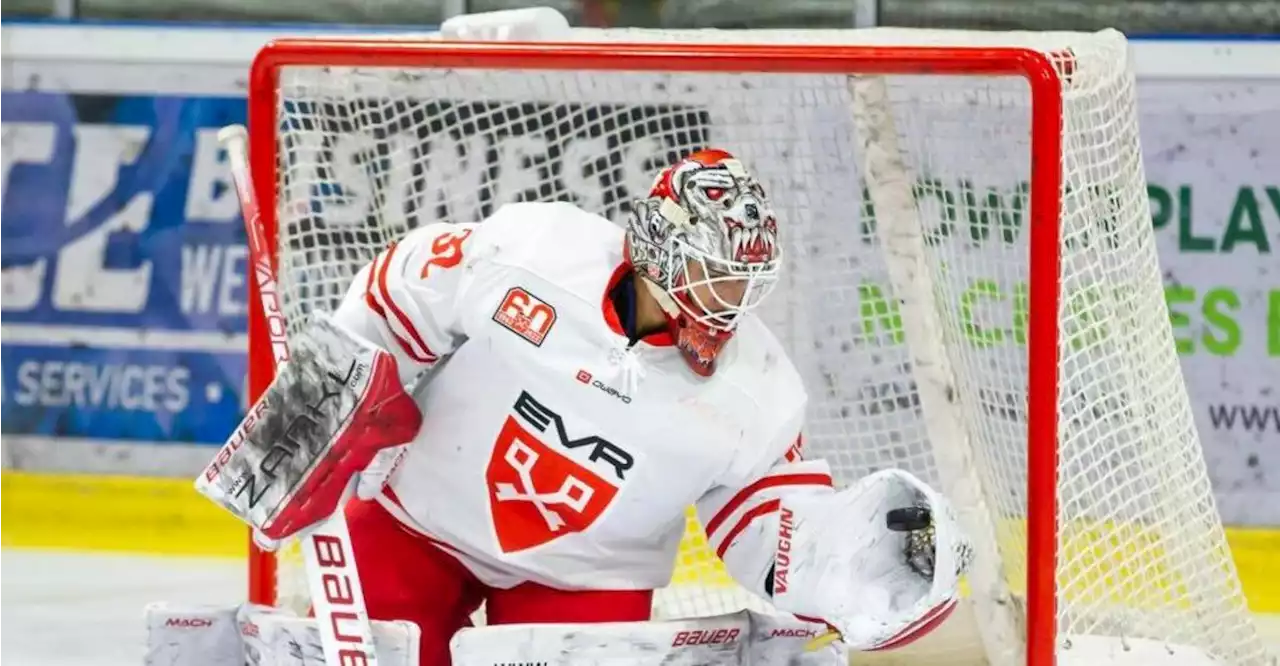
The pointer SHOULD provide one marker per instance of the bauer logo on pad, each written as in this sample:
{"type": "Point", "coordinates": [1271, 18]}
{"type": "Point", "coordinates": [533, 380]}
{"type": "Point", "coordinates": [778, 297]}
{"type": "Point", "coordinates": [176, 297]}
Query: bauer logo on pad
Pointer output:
{"type": "Point", "coordinates": [526, 315]}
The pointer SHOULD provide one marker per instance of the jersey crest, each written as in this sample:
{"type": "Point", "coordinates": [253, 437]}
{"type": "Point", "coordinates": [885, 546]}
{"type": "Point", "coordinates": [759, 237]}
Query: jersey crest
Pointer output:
{"type": "Point", "coordinates": [525, 315]}
{"type": "Point", "coordinates": [537, 492]}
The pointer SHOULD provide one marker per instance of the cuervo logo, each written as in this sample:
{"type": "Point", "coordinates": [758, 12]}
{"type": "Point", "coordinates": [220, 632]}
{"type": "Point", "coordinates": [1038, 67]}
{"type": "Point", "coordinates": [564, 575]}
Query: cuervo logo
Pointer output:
{"type": "Point", "coordinates": [626, 399]}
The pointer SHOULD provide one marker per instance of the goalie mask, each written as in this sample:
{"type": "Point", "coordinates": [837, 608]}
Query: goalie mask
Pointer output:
{"type": "Point", "coordinates": [706, 243]}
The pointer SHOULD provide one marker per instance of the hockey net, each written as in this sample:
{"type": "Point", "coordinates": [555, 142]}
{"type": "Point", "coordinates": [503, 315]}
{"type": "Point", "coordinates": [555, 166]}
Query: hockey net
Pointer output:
{"type": "Point", "coordinates": [1016, 354]}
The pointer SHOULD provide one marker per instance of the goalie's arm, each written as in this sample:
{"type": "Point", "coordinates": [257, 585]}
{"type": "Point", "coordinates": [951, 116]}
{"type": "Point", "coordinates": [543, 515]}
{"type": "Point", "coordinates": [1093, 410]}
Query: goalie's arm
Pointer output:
{"type": "Point", "coordinates": [835, 556]}
{"type": "Point", "coordinates": [339, 406]}
{"type": "Point", "coordinates": [741, 521]}
{"type": "Point", "coordinates": [407, 299]}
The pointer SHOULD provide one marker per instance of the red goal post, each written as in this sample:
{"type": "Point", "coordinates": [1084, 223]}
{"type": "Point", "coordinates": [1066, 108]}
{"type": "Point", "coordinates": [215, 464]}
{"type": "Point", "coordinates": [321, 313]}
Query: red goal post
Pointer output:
{"type": "Point", "coordinates": [1043, 73]}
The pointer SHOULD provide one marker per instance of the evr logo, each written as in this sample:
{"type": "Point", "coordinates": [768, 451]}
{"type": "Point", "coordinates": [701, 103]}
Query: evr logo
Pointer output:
{"type": "Point", "coordinates": [538, 493]}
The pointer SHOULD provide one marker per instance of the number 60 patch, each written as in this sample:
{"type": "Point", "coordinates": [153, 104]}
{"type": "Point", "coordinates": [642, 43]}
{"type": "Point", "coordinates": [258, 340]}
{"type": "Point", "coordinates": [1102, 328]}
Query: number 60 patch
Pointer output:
{"type": "Point", "coordinates": [525, 315]}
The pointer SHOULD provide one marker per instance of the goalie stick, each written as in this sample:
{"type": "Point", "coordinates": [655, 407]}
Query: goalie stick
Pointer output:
{"type": "Point", "coordinates": [337, 597]}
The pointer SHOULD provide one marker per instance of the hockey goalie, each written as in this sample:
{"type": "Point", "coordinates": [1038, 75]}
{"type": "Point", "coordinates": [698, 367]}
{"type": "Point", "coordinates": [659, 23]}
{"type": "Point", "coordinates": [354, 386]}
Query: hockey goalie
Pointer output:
{"type": "Point", "coordinates": [583, 385]}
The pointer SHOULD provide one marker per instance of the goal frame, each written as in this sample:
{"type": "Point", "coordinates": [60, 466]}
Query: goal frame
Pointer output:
{"type": "Point", "coordinates": [1045, 87]}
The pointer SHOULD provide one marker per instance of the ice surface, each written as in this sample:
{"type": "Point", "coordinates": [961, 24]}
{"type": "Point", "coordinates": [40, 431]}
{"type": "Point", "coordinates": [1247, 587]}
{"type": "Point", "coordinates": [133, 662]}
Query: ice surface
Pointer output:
{"type": "Point", "coordinates": [77, 609]}
{"type": "Point", "coordinates": [81, 609]}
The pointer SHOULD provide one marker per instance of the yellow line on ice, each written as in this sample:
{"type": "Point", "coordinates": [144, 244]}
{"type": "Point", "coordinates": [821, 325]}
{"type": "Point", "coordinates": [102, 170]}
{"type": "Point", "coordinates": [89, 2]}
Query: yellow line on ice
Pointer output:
{"type": "Point", "coordinates": [115, 513]}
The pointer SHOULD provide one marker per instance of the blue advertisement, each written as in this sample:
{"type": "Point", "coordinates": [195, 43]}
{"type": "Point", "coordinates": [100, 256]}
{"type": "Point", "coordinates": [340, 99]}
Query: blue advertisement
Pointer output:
{"type": "Point", "coordinates": [124, 263]}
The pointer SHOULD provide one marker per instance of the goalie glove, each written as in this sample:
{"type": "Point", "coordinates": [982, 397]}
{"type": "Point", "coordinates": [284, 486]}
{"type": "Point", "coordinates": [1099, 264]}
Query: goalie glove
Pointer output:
{"type": "Point", "coordinates": [335, 404]}
{"type": "Point", "coordinates": [879, 561]}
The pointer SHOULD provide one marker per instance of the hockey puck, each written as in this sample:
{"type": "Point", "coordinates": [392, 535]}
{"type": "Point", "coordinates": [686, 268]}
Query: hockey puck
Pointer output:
{"type": "Point", "coordinates": [908, 519]}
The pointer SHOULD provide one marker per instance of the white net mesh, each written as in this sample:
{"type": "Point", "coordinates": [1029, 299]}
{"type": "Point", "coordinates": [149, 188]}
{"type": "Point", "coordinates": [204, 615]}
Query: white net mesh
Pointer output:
{"type": "Point", "coordinates": [368, 153]}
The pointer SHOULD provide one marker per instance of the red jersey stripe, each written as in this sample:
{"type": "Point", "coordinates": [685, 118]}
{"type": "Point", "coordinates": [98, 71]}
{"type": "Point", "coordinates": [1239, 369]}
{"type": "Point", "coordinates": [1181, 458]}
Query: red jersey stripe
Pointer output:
{"type": "Point", "coordinates": [371, 300]}
{"type": "Point", "coordinates": [927, 623]}
{"type": "Point", "coordinates": [422, 353]}
{"type": "Point", "coordinates": [762, 484]}
{"type": "Point", "coordinates": [763, 509]}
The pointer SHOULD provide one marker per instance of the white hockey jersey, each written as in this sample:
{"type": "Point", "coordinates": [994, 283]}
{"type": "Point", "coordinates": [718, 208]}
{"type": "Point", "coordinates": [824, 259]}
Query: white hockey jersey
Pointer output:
{"type": "Point", "coordinates": [550, 450]}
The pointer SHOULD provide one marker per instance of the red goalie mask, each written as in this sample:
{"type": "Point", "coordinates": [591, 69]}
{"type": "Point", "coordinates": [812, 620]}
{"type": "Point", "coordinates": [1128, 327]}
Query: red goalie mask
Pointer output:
{"type": "Point", "coordinates": [707, 239]}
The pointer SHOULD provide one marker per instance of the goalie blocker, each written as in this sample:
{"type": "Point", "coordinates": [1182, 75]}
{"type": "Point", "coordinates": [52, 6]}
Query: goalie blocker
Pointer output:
{"type": "Point", "coordinates": [331, 409]}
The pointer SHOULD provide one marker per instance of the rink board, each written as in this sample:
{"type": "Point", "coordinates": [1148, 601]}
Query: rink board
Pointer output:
{"type": "Point", "coordinates": [166, 517]}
